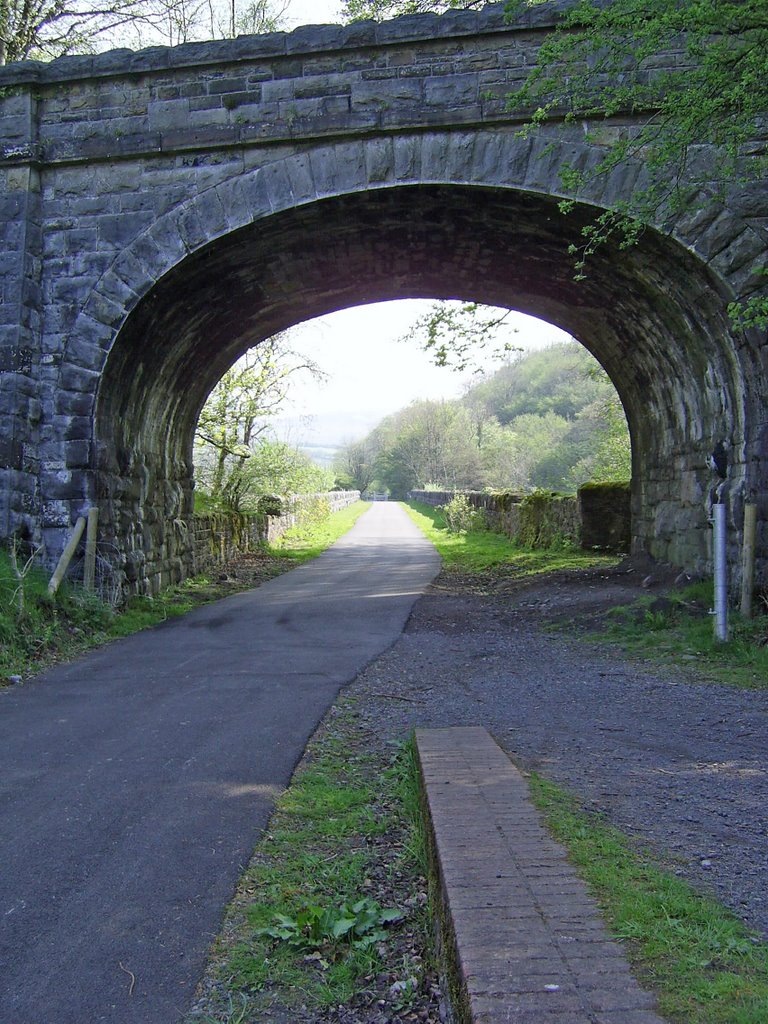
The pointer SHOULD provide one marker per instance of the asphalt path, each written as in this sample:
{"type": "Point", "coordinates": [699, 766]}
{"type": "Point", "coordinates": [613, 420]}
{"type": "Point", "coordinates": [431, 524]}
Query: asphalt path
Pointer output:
{"type": "Point", "coordinates": [135, 782]}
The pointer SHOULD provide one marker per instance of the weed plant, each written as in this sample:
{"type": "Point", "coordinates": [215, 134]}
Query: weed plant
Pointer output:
{"type": "Point", "coordinates": [704, 965]}
{"type": "Point", "coordinates": [59, 628]}
{"type": "Point", "coordinates": [306, 931]}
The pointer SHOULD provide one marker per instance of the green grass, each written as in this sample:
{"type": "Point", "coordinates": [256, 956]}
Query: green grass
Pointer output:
{"type": "Point", "coordinates": [310, 540]}
{"type": "Point", "coordinates": [59, 628]}
{"type": "Point", "coordinates": [678, 629]}
{"type": "Point", "coordinates": [318, 852]}
{"type": "Point", "coordinates": [483, 550]}
{"type": "Point", "coordinates": [702, 962]}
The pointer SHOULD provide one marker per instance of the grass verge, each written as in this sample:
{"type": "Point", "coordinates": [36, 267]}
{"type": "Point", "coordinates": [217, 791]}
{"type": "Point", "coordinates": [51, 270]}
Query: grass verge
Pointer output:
{"type": "Point", "coordinates": [52, 630]}
{"type": "Point", "coordinates": [342, 846]}
{"type": "Point", "coordinates": [677, 628]}
{"type": "Point", "coordinates": [704, 965]}
{"type": "Point", "coordinates": [310, 540]}
{"type": "Point", "coordinates": [483, 551]}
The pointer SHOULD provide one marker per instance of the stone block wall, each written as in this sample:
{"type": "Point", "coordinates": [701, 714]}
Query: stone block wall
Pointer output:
{"type": "Point", "coordinates": [502, 511]}
{"type": "Point", "coordinates": [598, 517]}
{"type": "Point", "coordinates": [605, 511]}
{"type": "Point", "coordinates": [216, 538]}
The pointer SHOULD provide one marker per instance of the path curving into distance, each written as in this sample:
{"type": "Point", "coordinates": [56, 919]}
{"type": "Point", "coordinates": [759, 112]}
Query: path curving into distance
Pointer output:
{"type": "Point", "coordinates": [135, 782]}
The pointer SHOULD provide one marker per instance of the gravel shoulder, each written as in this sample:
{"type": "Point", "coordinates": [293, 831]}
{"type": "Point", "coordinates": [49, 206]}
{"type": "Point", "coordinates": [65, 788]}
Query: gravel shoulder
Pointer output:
{"type": "Point", "coordinates": [677, 764]}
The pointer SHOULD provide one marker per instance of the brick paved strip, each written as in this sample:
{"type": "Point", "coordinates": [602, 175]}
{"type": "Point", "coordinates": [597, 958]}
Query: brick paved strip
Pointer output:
{"type": "Point", "coordinates": [525, 940]}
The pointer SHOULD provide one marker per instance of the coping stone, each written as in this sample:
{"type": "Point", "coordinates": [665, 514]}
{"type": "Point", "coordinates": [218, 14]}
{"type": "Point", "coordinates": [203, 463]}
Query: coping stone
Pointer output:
{"type": "Point", "coordinates": [526, 940]}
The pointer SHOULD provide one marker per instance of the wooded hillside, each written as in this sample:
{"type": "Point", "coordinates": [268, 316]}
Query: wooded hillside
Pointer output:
{"type": "Point", "coordinates": [548, 419]}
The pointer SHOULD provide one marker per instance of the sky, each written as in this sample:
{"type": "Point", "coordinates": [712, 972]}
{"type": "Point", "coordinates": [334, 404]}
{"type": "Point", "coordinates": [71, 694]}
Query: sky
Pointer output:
{"type": "Point", "coordinates": [371, 371]}
{"type": "Point", "coordinates": [314, 12]}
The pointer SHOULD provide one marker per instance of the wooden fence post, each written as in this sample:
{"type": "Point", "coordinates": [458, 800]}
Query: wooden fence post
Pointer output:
{"type": "Point", "coordinates": [66, 556]}
{"type": "Point", "coordinates": [748, 560]}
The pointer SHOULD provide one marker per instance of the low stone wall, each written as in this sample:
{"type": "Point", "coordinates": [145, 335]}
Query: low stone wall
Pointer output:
{"type": "Point", "coordinates": [597, 518]}
{"type": "Point", "coordinates": [547, 520]}
{"type": "Point", "coordinates": [216, 538]}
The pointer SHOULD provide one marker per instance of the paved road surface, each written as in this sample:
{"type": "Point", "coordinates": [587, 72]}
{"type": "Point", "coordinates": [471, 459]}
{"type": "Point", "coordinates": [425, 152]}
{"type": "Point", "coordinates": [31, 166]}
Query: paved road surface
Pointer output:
{"type": "Point", "coordinates": [134, 783]}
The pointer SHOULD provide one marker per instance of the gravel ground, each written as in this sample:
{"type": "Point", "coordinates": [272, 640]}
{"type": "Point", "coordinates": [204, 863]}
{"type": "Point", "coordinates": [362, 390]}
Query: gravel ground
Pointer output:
{"type": "Point", "coordinates": [680, 765]}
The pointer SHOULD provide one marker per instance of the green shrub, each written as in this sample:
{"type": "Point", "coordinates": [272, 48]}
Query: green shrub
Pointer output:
{"type": "Point", "coordinates": [461, 516]}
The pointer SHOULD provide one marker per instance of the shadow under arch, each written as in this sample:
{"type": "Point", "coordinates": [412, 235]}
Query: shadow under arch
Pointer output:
{"type": "Point", "coordinates": [653, 316]}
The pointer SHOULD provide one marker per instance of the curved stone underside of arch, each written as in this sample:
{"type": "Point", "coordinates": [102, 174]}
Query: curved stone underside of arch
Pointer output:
{"type": "Point", "coordinates": [653, 316]}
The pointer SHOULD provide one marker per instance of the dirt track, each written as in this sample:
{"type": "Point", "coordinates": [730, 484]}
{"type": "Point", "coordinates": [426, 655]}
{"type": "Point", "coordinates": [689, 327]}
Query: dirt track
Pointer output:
{"type": "Point", "coordinates": [678, 764]}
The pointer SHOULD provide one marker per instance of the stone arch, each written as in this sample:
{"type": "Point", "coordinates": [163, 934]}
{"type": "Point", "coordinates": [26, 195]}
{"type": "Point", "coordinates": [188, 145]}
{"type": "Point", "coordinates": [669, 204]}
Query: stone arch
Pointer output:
{"type": "Point", "coordinates": [447, 214]}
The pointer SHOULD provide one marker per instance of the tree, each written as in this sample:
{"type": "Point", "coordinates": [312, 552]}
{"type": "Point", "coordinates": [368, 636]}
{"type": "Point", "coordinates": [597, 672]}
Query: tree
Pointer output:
{"type": "Point", "coordinates": [355, 464]}
{"type": "Point", "coordinates": [547, 419]}
{"type": "Point", "coordinates": [358, 10]}
{"type": "Point", "coordinates": [455, 332]}
{"type": "Point", "coordinates": [235, 418]}
{"type": "Point", "coordinates": [44, 29]}
{"type": "Point", "coordinates": [274, 467]}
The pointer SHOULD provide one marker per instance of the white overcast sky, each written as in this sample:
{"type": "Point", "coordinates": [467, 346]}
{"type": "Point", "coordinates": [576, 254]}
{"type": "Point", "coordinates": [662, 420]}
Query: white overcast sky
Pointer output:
{"type": "Point", "coordinates": [314, 12]}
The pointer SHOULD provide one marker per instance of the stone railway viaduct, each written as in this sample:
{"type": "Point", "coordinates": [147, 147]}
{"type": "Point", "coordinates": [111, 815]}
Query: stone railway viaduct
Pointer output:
{"type": "Point", "coordinates": [164, 210]}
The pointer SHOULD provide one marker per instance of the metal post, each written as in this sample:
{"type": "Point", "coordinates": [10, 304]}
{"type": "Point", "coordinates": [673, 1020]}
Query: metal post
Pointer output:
{"type": "Point", "coordinates": [748, 560]}
{"type": "Point", "coordinates": [721, 573]}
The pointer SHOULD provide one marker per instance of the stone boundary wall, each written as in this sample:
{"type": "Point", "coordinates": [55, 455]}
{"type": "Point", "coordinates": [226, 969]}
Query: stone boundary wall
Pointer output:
{"type": "Point", "coordinates": [597, 518]}
{"type": "Point", "coordinates": [216, 538]}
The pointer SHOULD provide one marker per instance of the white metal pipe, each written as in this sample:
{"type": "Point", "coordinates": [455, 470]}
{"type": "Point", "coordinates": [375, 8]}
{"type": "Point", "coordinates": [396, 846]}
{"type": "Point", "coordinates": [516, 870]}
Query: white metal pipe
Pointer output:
{"type": "Point", "coordinates": [721, 573]}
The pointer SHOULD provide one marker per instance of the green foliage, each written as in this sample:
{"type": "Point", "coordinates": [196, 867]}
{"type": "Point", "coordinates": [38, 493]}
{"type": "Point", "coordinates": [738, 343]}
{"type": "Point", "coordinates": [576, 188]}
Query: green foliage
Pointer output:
{"type": "Point", "coordinates": [355, 464]}
{"type": "Point", "coordinates": [59, 628]}
{"type": "Point", "coordinates": [455, 332]}
{"type": "Point", "coordinates": [360, 924]}
{"type": "Point", "coordinates": [312, 537]}
{"type": "Point", "coordinates": [678, 628]}
{"type": "Point", "coordinates": [547, 419]}
{"type": "Point", "coordinates": [273, 467]}
{"type": "Point", "coordinates": [235, 461]}
{"type": "Point", "coordinates": [543, 523]}
{"type": "Point", "coordinates": [301, 932]}
{"type": "Point", "coordinates": [705, 966]}
{"type": "Point", "coordinates": [461, 517]}
{"type": "Point", "coordinates": [690, 74]}
{"type": "Point", "coordinates": [270, 505]}
{"type": "Point", "coordinates": [493, 553]}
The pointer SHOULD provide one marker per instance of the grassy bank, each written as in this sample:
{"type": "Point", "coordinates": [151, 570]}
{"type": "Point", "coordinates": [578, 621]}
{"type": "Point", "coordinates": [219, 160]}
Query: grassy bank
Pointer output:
{"type": "Point", "coordinates": [483, 551]}
{"type": "Point", "coordinates": [332, 909]}
{"type": "Point", "coordinates": [677, 629]}
{"type": "Point", "coordinates": [50, 630]}
{"type": "Point", "coordinates": [704, 965]}
{"type": "Point", "coordinates": [308, 541]}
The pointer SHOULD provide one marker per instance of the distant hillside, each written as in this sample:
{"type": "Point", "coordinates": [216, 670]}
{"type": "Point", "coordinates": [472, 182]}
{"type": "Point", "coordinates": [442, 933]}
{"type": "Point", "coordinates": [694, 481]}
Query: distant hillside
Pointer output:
{"type": "Point", "coordinates": [326, 430]}
{"type": "Point", "coordinates": [548, 419]}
